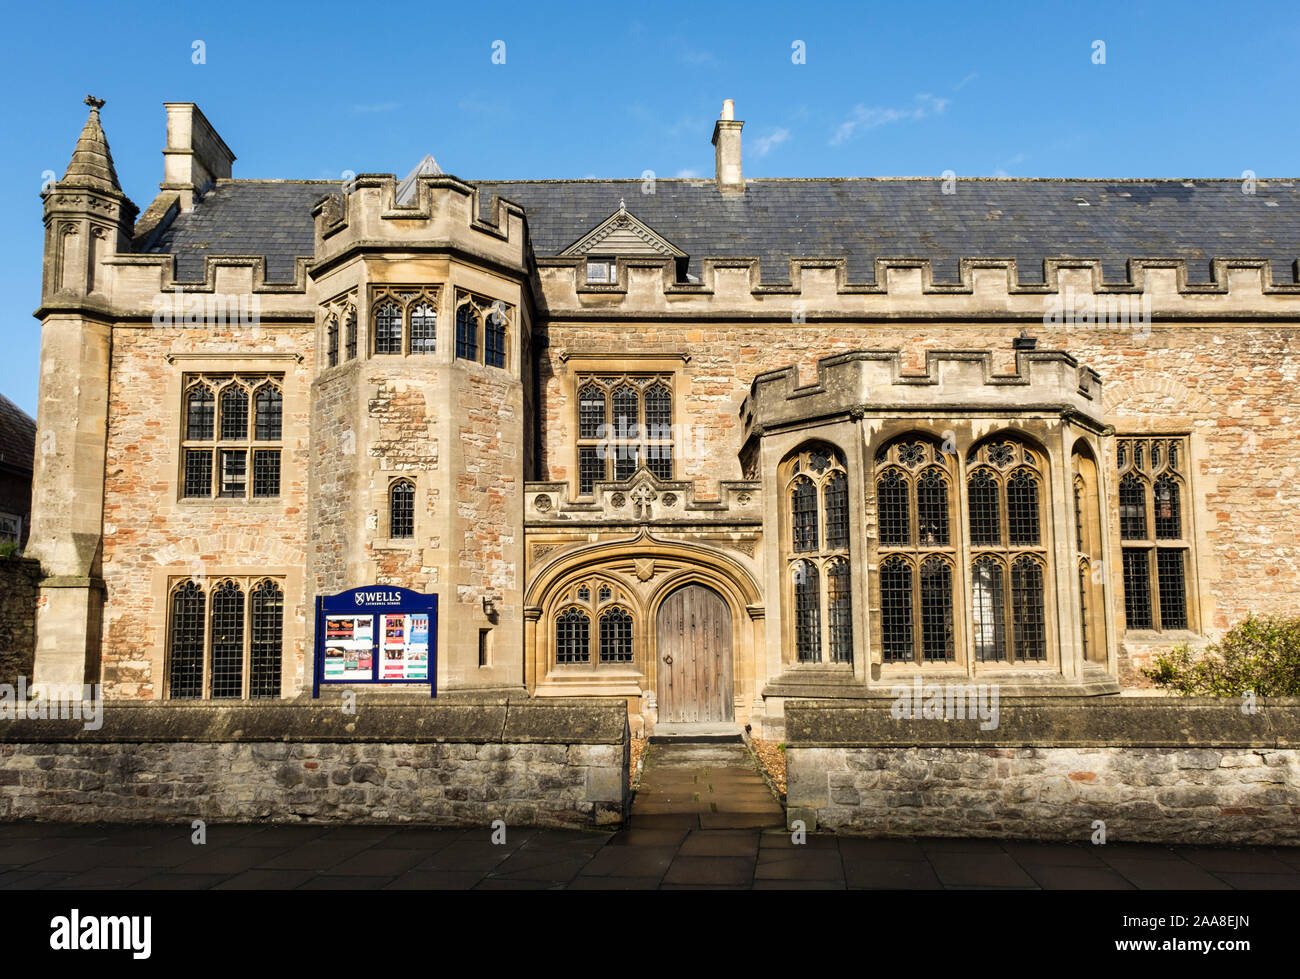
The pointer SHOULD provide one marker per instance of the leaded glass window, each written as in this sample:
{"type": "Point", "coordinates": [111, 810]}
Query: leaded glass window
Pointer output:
{"type": "Point", "coordinates": [186, 641]}
{"type": "Point", "coordinates": [624, 423]}
{"type": "Point", "coordinates": [573, 637]}
{"type": "Point", "coordinates": [388, 328]}
{"type": "Point", "coordinates": [807, 611]}
{"type": "Point", "coordinates": [915, 514]}
{"type": "Point", "coordinates": [424, 329]}
{"type": "Point", "coordinates": [401, 509]}
{"type": "Point", "coordinates": [615, 636]}
{"type": "Point", "coordinates": [224, 639]}
{"type": "Point", "coordinates": [1154, 528]}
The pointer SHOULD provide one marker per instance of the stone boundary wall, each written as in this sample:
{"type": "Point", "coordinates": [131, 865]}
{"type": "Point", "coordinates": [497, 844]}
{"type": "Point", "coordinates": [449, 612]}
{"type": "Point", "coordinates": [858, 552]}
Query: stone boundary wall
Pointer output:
{"type": "Point", "coordinates": [1158, 770]}
{"type": "Point", "coordinates": [552, 763]}
{"type": "Point", "coordinates": [19, 578]}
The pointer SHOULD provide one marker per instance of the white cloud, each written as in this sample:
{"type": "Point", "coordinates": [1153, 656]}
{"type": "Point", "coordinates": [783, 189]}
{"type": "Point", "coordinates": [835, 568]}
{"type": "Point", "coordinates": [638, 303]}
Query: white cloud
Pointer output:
{"type": "Point", "coordinates": [765, 144]}
{"type": "Point", "coordinates": [688, 173]}
{"type": "Point", "coordinates": [863, 118]}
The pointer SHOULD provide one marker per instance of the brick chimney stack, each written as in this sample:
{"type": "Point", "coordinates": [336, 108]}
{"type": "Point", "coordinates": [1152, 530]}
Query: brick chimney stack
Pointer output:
{"type": "Point", "coordinates": [726, 144]}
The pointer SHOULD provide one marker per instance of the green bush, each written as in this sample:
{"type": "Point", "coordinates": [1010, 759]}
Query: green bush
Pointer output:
{"type": "Point", "coordinates": [1261, 654]}
{"type": "Point", "coordinates": [9, 548]}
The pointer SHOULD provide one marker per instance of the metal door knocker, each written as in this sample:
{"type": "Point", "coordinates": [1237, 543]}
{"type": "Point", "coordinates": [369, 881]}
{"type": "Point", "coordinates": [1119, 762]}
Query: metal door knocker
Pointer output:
{"type": "Point", "coordinates": [668, 659]}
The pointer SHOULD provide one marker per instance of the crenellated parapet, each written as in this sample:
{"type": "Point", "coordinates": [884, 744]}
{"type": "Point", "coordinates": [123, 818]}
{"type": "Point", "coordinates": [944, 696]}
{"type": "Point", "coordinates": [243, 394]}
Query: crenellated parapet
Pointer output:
{"type": "Point", "coordinates": [954, 382]}
{"type": "Point", "coordinates": [443, 216]}
{"type": "Point", "coordinates": [1072, 294]}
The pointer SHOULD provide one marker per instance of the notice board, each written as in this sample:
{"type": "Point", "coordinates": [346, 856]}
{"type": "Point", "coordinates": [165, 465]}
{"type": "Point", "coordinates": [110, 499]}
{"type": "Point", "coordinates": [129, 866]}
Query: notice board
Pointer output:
{"type": "Point", "coordinates": [376, 634]}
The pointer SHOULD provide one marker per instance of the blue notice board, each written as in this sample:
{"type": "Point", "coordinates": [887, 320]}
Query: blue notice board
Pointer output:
{"type": "Point", "coordinates": [376, 634]}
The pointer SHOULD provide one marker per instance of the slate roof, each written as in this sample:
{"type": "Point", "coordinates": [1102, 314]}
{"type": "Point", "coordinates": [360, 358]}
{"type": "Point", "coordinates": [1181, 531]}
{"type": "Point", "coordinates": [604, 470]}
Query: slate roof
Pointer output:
{"type": "Point", "coordinates": [17, 437]}
{"type": "Point", "coordinates": [857, 219]}
{"type": "Point", "coordinates": [247, 217]}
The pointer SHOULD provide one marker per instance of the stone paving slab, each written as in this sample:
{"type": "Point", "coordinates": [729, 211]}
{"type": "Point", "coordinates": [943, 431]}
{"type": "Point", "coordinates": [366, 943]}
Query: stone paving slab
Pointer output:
{"type": "Point", "coordinates": [663, 857]}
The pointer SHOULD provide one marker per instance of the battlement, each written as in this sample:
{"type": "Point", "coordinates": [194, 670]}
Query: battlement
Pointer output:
{"type": "Point", "coordinates": [954, 381]}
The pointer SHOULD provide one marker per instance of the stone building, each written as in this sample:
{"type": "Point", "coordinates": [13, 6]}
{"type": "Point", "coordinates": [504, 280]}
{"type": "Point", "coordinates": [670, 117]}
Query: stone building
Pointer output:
{"type": "Point", "coordinates": [703, 444]}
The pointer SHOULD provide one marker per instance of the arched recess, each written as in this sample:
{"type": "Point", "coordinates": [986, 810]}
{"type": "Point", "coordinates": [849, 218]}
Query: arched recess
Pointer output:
{"type": "Point", "coordinates": [647, 570]}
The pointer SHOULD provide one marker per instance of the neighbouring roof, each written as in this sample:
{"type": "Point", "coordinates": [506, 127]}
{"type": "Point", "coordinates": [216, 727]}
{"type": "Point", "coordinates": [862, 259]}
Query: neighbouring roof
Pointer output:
{"type": "Point", "coordinates": [17, 437]}
{"type": "Point", "coordinates": [855, 219]}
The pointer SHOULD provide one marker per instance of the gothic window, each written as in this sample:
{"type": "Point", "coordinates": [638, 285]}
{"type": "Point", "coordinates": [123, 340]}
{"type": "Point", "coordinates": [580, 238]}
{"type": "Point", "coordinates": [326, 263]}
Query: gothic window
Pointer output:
{"type": "Point", "coordinates": [988, 603]}
{"type": "Point", "coordinates": [404, 321]}
{"type": "Point", "coordinates": [803, 513]}
{"type": "Point", "coordinates": [614, 626]}
{"type": "Point", "coordinates": [424, 329]}
{"type": "Point", "coordinates": [350, 334]}
{"type": "Point", "coordinates": [807, 612]}
{"type": "Point", "coordinates": [388, 328]}
{"type": "Point", "coordinates": [224, 641]}
{"type": "Point", "coordinates": [186, 641]}
{"type": "Point", "coordinates": [836, 494]}
{"type": "Point", "coordinates": [227, 640]}
{"type": "Point", "coordinates": [817, 512]}
{"type": "Point", "coordinates": [267, 637]}
{"type": "Point", "coordinates": [200, 411]}
{"type": "Point", "coordinates": [494, 337]}
{"type": "Point", "coordinates": [915, 515]}
{"type": "Point", "coordinates": [896, 610]}
{"type": "Point", "coordinates": [624, 422]}
{"type": "Point", "coordinates": [839, 607]}
{"type": "Point", "coordinates": [332, 341]}
{"type": "Point", "coordinates": [224, 442]}
{"type": "Point", "coordinates": [1005, 494]}
{"type": "Point", "coordinates": [615, 636]}
{"type": "Point", "coordinates": [1154, 533]}
{"type": "Point", "coordinates": [466, 332]}
{"type": "Point", "coordinates": [401, 509]}
{"type": "Point", "coordinates": [573, 637]}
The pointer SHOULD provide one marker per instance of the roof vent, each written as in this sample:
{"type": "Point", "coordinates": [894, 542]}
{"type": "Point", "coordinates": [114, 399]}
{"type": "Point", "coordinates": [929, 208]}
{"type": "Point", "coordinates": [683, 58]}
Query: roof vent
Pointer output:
{"type": "Point", "coordinates": [1024, 342]}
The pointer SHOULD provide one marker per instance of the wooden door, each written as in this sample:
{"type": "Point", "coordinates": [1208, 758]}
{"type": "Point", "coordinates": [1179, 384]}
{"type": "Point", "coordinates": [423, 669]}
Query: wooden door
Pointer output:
{"type": "Point", "coordinates": [694, 657]}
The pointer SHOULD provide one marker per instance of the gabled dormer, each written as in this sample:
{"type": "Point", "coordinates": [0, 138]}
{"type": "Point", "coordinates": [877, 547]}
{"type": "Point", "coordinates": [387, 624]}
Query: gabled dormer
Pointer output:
{"type": "Point", "coordinates": [622, 235]}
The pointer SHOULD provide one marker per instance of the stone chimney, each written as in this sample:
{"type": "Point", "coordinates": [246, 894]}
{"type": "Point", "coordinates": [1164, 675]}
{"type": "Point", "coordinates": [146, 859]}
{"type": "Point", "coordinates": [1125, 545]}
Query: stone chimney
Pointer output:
{"type": "Point", "coordinates": [195, 155]}
{"type": "Point", "coordinates": [726, 144]}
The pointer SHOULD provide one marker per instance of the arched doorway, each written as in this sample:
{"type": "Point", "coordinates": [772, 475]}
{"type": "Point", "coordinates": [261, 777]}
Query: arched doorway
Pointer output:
{"type": "Point", "coordinates": [693, 648]}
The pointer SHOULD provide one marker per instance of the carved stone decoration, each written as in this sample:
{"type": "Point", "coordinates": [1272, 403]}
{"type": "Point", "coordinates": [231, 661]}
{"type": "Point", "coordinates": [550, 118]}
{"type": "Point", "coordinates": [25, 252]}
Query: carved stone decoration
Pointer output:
{"type": "Point", "coordinates": [642, 498]}
{"type": "Point", "coordinates": [542, 502]}
{"type": "Point", "coordinates": [645, 568]}
{"type": "Point", "coordinates": [744, 498]}
{"type": "Point", "coordinates": [670, 499]}
{"type": "Point", "coordinates": [745, 547]}
{"type": "Point", "coordinates": [541, 550]}
{"type": "Point", "coordinates": [618, 501]}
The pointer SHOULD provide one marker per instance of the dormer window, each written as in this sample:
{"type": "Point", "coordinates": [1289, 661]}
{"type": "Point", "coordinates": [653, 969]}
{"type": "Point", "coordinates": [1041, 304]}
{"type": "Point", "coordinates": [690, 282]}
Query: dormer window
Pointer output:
{"type": "Point", "coordinates": [601, 271]}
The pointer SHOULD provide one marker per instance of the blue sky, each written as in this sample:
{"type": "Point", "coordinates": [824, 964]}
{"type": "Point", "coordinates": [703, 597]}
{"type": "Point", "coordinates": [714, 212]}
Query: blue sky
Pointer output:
{"type": "Point", "coordinates": [611, 90]}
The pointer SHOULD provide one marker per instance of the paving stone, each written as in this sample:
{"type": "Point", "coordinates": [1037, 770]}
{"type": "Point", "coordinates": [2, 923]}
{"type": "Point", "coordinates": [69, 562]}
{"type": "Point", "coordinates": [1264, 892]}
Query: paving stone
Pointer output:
{"type": "Point", "coordinates": [1168, 875]}
{"type": "Point", "coordinates": [626, 861]}
{"type": "Point", "coordinates": [1076, 878]}
{"type": "Point", "coordinates": [957, 869]}
{"type": "Point", "coordinates": [890, 874]}
{"type": "Point", "coordinates": [179, 882]}
{"type": "Point", "coordinates": [796, 865]}
{"type": "Point", "coordinates": [262, 879]}
{"type": "Point", "coordinates": [435, 880]}
{"type": "Point", "coordinates": [316, 855]}
{"type": "Point", "coordinates": [720, 843]}
{"type": "Point", "coordinates": [352, 882]}
{"type": "Point", "coordinates": [727, 871]}
{"type": "Point", "coordinates": [1261, 882]}
{"type": "Point", "coordinates": [374, 861]}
